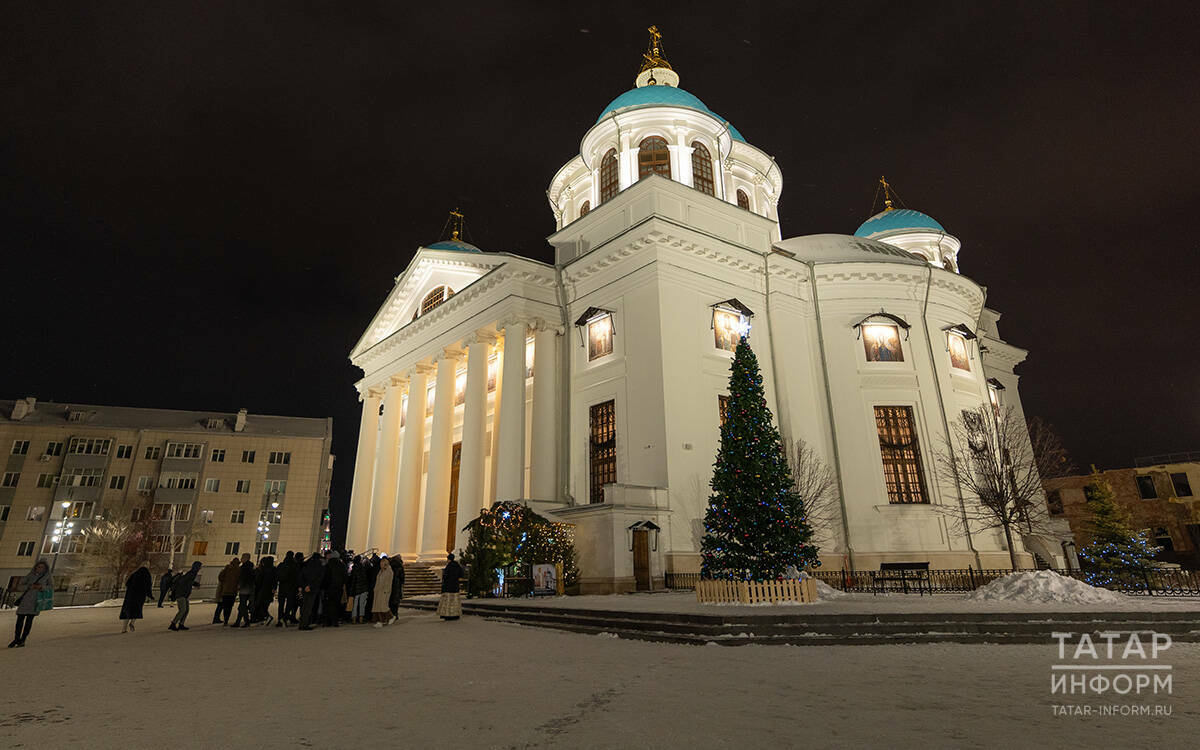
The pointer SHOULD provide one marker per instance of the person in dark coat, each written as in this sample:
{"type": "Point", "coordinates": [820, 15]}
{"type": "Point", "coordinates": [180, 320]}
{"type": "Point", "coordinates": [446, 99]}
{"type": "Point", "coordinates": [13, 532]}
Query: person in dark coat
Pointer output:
{"type": "Point", "coordinates": [372, 576]}
{"type": "Point", "coordinates": [164, 585]}
{"type": "Point", "coordinates": [33, 585]}
{"type": "Point", "coordinates": [227, 588]}
{"type": "Point", "coordinates": [450, 606]}
{"type": "Point", "coordinates": [265, 579]}
{"type": "Point", "coordinates": [333, 585]}
{"type": "Point", "coordinates": [182, 587]}
{"type": "Point", "coordinates": [311, 575]}
{"type": "Point", "coordinates": [357, 587]}
{"type": "Point", "coordinates": [138, 588]}
{"type": "Point", "coordinates": [289, 583]}
{"type": "Point", "coordinates": [245, 592]}
{"type": "Point", "coordinates": [397, 566]}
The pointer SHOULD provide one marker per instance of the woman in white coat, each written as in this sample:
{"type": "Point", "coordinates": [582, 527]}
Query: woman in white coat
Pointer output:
{"type": "Point", "coordinates": [382, 593]}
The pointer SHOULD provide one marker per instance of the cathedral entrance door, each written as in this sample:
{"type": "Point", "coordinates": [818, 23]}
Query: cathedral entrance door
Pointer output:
{"type": "Point", "coordinates": [452, 520]}
{"type": "Point", "coordinates": [641, 559]}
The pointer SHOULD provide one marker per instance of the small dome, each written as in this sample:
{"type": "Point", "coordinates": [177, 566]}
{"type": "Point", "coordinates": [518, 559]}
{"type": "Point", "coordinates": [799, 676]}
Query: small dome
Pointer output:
{"type": "Point", "coordinates": [459, 245]}
{"type": "Point", "coordinates": [895, 219]}
{"type": "Point", "coordinates": [662, 96]}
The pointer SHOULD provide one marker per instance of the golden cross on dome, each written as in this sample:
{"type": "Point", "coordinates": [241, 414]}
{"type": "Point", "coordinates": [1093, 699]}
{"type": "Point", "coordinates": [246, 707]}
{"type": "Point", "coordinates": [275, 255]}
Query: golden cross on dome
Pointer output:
{"type": "Point", "coordinates": [887, 194]}
{"type": "Point", "coordinates": [456, 221]}
{"type": "Point", "coordinates": [653, 57]}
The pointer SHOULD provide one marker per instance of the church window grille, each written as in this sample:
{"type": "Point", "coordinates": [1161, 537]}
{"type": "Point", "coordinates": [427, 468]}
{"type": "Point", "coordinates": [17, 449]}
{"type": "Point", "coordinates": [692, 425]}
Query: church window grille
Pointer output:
{"type": "Point", "coordinates": [583, 210]}
{"type": "Point", "coordinates": [609, 176]}
{"type": "Point", "coordinates": [603, 448]}
{"type": "Point", "coordinates": [743, 199]}
{"type": "Point", "coordinates": [654, 158]}
{"type": "Point", "coordinates": [435, 298]}
{"type": "Point", "coordinates": [702, 169]}
{"type": "Point", "coordinates": [901, 453]}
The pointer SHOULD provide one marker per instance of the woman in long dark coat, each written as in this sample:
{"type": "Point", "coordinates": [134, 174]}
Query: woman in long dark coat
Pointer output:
{"type": "Point", "coordinates": [137, 590]}
{"type": "Point", "coordinates": [265, 579]}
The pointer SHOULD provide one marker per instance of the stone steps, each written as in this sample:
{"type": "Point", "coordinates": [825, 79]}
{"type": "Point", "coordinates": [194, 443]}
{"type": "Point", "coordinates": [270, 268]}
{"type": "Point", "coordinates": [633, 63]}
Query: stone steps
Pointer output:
{"type": "Point", "coordinates": [834, 629]}
{"type": "Point", "coordinates": [420, 580]}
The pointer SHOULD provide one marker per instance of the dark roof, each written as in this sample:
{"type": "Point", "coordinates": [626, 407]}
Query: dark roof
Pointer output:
{"type": "Point", "coordinates": [49, 414]}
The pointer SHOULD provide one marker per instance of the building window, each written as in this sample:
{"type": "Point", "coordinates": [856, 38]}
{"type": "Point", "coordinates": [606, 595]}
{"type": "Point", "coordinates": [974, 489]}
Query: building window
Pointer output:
{"type": "Point", "coordinates": [603, 448]}
{"type": "Point", "coordinates": [145, 483]}
{"type": "Point", "coordinates": [47, 480]}
{"type": "Point", "coordinates": [265, 548]}
{"type": "Point", "coordinates": [184, 450]}
{"type": "Point", "coordinates": [25, 549]}
{"type": "Point", "coordinates": [54, 448]}
{"type": "Point", "coordinates": [206, 516]}
{"type": "Point", "coordinates": [1162, 538]}
{"type": "Point", "coordinates": [271, 516]}
{"type": "Point", "coordinates": [4, 511]}
{"type": "Point", "coordinates": [199, 548]}
{"type": "Point", "coordinates": [435, 298]}
{"type": "Point", "coordinates": [163, 543]}
{"type": "Point", "coordinates": [727, 329]}
{"type": "Point", "coordinates": [20, 447]}
{"type": "Point", "coordinates": [177, 481]}
{"type": "Point", "coordinates": [83, 478]}
{"type": "Point", "coordinates": [35, 513]}
{"type": "Point", "coordinates": [231, 548]}
{"type": "Point", "coordinates": [610, 181]}
{"type": "Point", "coordinates": [743, 199]}
{"type": "Point", "coordinates": [153, 452]}
{"type": "Point", "coordinates": [654, 158]}
{"type": "Point", "coordinates": [237, 516]}
{"type": "Point", "coordinates": [168, 511]}
{"type": "Point", "coordinates": [722, 408]}
{"type": "Point", "coordinates": [702, 168]}
{"type": "Point", "coordinates": [89, 446]}
{"type": "Point", "coordinates": [81, 509]}
{"type": "Point", "coordinates": [116, 482]}
{"type": "Point", "coordinates": [1145, 485]}
{"type": "Point", "coordinates": [279, 457]}
{"type": "Point", "coordinates": [1054, 502]}
{"type": "Point", "coordinates": [243, 486]}
{"type": "Point", "coordinates": [247, 457]}
{"type": "Point", "coordinates": [275, 487]}
{"type": "Point", "coordinates": [460, 388]}
{"type": "Point", "coordinates": [960, 358]}
{"type": "Point", "coordinates": [583, 210]}
{"type": "Point", "coordinates": [218, 455]}
{"type": "Point", "coordinates": [124, 451]}
{"type": "Point", "coordinates": [69, 546]}
{"type": "Point", "coordinates": [11, 479]}
{"type": "Point", "coordinates": [212, 484]}
{"type": "Point", "coordinates": [1183, 488]}
{"type": "Point", "coordinates": [137, 514]}
{"type": "Point", "coordinates": [600, 337]}
{"type": "Point", "coordinates": [901, 454]}
{"type": "Point", "coordinates": [882, 343]}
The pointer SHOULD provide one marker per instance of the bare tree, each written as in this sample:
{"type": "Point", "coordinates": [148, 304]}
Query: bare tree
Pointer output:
{"type": "Point", "coordinates": [999, 464]}
{"type": "Point", "coordinates": [816, 485]}
{"type": "Point", "coordinates": [116, 546]}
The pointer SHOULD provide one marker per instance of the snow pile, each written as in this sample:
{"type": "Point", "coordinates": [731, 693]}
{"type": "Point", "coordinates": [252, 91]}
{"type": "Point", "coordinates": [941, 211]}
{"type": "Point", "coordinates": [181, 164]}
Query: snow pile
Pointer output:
{"type": "Point", "coordinates": [825, 592]}
{"type": "Point", "coordinates": [109, 603]}
{"type": "Point", "coordinates": [1044, 587]}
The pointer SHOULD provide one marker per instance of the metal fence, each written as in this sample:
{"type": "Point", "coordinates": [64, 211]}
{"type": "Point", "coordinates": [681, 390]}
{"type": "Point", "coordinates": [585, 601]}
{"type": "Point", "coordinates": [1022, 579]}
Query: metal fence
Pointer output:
{"type": "Point", "coordinates": [1143, 582]}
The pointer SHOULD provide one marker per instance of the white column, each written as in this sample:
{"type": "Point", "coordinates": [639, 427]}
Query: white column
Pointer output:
{"type": "Point", "coordinates": [628, 165]}
{"type": "Point", "coordinates": [383, 492]}
{"type": "Point", "coordinates": [405, 534]}
{"type": "Point", "coordinates": [437, 480]}
{"type": "Point", "coordinates": [472, 495]}
{"type": "Point", "coordinates": [495, 465]}
{"type": "Point", "coordinates": [510, 470]}
{"type": "Point", "coordinates": [543, 449]}
{"type": "Point", "coordinates": [364, 472]}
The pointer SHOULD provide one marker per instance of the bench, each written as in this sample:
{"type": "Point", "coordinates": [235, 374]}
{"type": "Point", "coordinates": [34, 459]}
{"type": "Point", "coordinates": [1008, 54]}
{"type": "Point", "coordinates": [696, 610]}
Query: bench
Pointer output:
{"type": "Point", "coordinates": [904, 572]}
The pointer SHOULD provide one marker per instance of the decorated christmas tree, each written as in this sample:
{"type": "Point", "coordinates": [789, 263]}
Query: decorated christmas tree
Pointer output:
{"type": "Point", "coordinates": [755, 525]}
{"type": "Point", "coordinates": [1116, 551]}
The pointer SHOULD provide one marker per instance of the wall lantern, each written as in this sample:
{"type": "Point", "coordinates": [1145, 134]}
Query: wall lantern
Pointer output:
{"type": "Point", "coordinates": [882, 315]}
{"type": "Point", "coordinates": [734, 307]}
{"type": "Point", "coordinates": [591, 315]}
{"type": "Point", "coordinates": [648, 526]}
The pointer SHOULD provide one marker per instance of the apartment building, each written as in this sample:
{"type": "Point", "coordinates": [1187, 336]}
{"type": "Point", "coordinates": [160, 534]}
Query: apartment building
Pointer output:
{"type": "Point", "coordinates": [201, 485]}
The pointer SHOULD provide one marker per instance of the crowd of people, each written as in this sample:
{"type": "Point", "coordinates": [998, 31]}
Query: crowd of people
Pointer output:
{"type": "Point", "coordinates": [320, 589]}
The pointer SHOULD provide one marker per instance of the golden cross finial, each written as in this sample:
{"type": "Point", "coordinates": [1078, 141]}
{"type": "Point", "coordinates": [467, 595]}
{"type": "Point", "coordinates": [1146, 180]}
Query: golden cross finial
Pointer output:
{"type": "Point", "coordinates": [653, 57]}
{"type": "Point", "coordinates": [456, 221]}
{"type": "Point", "coordinates": [887, 193]}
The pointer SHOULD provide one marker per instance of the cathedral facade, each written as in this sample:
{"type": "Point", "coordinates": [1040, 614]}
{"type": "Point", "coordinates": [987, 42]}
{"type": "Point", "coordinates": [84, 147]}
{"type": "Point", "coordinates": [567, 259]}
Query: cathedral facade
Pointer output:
{"type": "Point", "coordinates": [592, 389]}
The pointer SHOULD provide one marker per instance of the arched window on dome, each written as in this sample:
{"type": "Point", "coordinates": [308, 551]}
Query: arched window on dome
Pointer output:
{"type": "Point", "coordinates": [654, 157]}
{"type": "Point", "coordinates": [435, 298]}
{"type": "Point", "coordinates": [948, 264]}
{"type": "Point", "coordinates": [583, 210]}
{"type": "Point", "coordinates": [919, 256]}
{"type": "Point", "coordinates": [743, 199]}
{"type": "Point", "coordinates": [702, 169]}
{"type": "Point", "coordinates": [609, 180]}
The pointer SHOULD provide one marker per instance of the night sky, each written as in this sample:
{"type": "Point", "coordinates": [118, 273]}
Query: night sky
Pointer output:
{"type": "Point", "coordinates": [203, 204]}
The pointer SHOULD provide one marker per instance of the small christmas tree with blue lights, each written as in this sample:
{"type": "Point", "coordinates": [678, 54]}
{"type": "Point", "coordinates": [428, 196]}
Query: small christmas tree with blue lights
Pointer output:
{"type": "Point", "coordinates": [755, 525]}
{"type": "Point", "coordinates": [1116, 551]}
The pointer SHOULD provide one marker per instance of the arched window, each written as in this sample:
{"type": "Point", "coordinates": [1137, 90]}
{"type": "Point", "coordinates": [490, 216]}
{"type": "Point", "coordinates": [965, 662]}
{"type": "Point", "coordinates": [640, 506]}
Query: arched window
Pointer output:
{"type": "Point", "coordinates": [743, 199]}
{"type": "Point", "coordinates": [919, 256]}
{"type": "Point", "coordinates": [587, 206]}
{"type": "Point", "coordinates": [609, 181]}
{"type": "Point", "coordinates": [948, 264]}
{"type": "Point", "coordinates": [702, 169]}
{"type": "Point", "coordinates": [435, 298]}
{"type": "Point", "coordinates": [654, 158]}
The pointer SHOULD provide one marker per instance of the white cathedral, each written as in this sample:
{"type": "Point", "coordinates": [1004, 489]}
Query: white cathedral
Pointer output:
{"type": "Point", "coordinates": [591, 389]}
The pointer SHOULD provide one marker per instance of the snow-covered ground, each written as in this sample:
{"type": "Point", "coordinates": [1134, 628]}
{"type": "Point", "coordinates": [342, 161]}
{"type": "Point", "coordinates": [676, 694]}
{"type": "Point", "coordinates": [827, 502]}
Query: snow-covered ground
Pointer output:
{"type": "Point", "coordinates": [479, 684]}
{"type": "Point", "coordinates": [1044, 587]}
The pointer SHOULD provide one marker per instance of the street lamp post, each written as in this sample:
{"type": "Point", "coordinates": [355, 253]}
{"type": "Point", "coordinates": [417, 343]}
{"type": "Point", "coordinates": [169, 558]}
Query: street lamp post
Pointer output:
{"type": "Point", "coordinates": [264, 521]}
{"type": "Point", "coordinates": [62, 532]}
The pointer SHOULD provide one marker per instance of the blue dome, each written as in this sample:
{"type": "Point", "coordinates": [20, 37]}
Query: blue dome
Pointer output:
{"type": "Point", "coordinates": [898, 218]}
{"type": "Point", "coordinates": [462, 247]}
{"type": "Point", "coordinates": [662, 96]}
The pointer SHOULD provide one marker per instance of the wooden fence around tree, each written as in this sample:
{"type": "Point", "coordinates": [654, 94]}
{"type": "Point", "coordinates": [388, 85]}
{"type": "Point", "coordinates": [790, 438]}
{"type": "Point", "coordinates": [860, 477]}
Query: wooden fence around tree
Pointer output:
{"type": "Point", "coordinates": [756, 592]}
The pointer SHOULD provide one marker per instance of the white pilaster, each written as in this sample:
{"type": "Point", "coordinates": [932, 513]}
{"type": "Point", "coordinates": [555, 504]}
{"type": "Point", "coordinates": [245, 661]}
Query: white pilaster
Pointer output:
{"type": "Point", "coordinates": [383, 494]}
{"type": "Point", "coordinates": [405, 533]}
{"type": "Point", "coordinates": [441, 438]}
{"type": "Point", "coordinates": [510, 470]}
{"type": "Point", "coordinates": [472, 495]}
{"type": "Point", "coordinates": [495, 463]}
{"type": "Point", "coordinates": [364, 472]}
{"type": "Point", "coordinates": [543, 449]}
